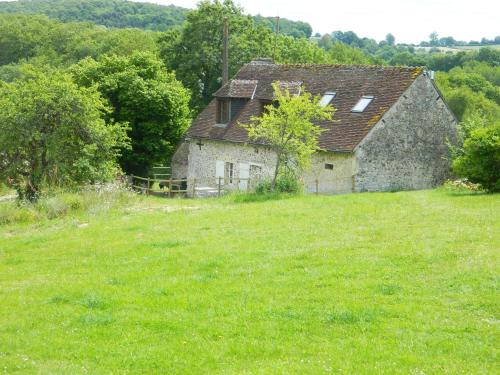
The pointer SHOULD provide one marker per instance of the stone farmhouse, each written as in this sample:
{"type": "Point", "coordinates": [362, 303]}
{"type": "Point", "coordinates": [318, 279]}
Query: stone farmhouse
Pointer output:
{"type": "Point", "coordinates": [389, 131]}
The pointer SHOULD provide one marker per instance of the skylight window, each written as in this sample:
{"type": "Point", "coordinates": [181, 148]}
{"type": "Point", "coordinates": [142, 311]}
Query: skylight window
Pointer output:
{"type": "Point", "coordinates": [362, 104]}
{"type": "Point", "coordinates": [327, 98]}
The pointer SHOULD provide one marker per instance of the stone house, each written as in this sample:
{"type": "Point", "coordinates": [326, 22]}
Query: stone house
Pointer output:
{"type": "Point", "coordinates": [389, 131]}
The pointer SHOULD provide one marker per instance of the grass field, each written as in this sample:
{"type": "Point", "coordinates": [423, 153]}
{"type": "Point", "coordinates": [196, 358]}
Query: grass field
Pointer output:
{"type": "Point", "coordinates": [389, 283]}
{"type": "Point", "coordinates": [458, 48]}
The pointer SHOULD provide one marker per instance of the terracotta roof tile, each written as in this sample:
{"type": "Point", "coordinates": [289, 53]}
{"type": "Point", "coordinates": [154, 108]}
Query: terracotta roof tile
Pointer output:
{"type": "Point", "coordinates": [350, 82]}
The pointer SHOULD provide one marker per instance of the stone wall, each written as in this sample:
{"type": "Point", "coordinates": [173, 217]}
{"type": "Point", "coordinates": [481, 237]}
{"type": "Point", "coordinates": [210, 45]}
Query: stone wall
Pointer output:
{"type": "Point", "coordinates": [179, 163]}
{"type": "Point", "coordinates": [330, 181]}
{"type": "Point", "coordinates": [407, 148]}
{"type": "Point", "coordinates": [202, 165]}
{"type": "Point", "coordinates": [202, 160]}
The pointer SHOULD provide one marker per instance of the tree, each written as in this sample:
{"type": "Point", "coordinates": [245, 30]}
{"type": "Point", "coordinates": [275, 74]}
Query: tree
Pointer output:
{"type": "Point", "coordinates": [287, 126]}
{"type": "Point", "coordinates": [390, 39]}
{"type": "Point", "coordinates": [142, 93]}
{"type": "Point", "coordinates": [434, 39]}
{"type": "Point", "coordinates": [52, 133]}
{"type": "Point", "coordinates": [195, 51]}
{"type": "Point", "coordinates": [480, 158]}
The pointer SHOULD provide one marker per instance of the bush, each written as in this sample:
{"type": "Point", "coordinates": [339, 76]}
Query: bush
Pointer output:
{"type": "Point", "coordinates": [479, 161]}
{"type": "Point", "coordinates": [284, 184]}
{"type": "Point", "coordinates": [91, 200]}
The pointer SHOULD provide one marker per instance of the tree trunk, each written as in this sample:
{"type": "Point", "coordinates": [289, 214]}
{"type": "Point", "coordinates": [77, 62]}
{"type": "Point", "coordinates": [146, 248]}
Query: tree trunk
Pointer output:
{"type": "Point", "coordinates": [31, 192]}
{"type": "Point", "coordinates": [276, 171]}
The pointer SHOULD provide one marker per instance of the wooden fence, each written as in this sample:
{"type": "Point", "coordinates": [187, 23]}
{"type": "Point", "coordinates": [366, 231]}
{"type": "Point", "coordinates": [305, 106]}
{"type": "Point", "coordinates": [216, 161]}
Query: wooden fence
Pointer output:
{"type": "Point", "coordinates": [174, 187]}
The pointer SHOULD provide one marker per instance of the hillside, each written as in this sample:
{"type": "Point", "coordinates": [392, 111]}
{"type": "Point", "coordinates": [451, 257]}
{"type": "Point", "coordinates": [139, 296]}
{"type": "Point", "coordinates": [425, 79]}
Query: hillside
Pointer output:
{"type": "Point", "coordinates": [122, 14]}
{"type": "Point", "coordinates": [402, 283]}
{"type": "Point", "coordinates": [110, 13]}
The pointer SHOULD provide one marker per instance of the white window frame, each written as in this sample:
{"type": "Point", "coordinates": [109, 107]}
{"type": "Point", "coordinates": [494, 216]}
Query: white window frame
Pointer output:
{"type": "Point", "coordinates": [327, 98]}
{"type": "Point", "coordinates": [362, 104]}
{"type": "Point", "coordinates": [229, 169]}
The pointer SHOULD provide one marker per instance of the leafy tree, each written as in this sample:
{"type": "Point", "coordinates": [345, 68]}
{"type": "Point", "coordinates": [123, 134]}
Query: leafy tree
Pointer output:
{"type": "Point", "coordinates": [480, 158]}
{"type": "Point", "coordinates": [44, 41]}
{"type": "Point", "coordinates": [434, 39]}
{"type": "Point", "coordinates": [390, 39]}
{"type": "Point", "coordinates": [52, 133]}
{"type": "Point", "coordinates": [287, 126]}
{"type": "Point", "coordinates": [195, 51]}
{"type": "Point", "coordinates": [142, 93]}
{"type": "Point", "coordinates": [111, 13]}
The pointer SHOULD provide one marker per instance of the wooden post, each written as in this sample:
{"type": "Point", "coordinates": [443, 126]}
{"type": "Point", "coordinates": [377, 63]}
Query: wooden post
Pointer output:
{"type": "Point", "coordinates": [147, 188]}
{"type": "Point", "coordinates": [225, 52]}
{"type": "Point", "coordinates": [194, 187]}
{"type": "Point", "coordinates": [170, 188]}
{"type": "Point", "coordinates": [219, 186]}
{"type": "Point", "coordinates": [317, 186]}
{"type": "Point", "coordinates": [248, 184]}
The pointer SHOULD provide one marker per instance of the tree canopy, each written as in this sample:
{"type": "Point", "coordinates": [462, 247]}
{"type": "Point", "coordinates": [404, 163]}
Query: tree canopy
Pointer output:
{"type": "Point", "coordinates": [288, 127]}
{"type": "Point", "coordinates": [143, 94]}
{"type": "Point", "coordinates": [52, 133]}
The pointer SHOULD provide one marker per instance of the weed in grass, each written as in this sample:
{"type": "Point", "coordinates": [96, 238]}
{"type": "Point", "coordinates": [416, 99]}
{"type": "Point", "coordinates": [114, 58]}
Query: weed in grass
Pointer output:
{"type": "Point", "coordinates": [166, 244]}
{"type": "Point", "coordinates": [388, 289]}
{"type": "Point", "coordinates": [12, 261]}
{"type": "Point", "coordinates": [343, 316]}
{"type": "Point", "coordinates": [162, 292]}
{"type": "Point", "coordinates": [114, 281]}
{"type": "Point", "coordinates": [97, 318]}
{"type": "Point", "coordinates": [93, 301]}
{"type": "Point", "coordinates": [59, 299]}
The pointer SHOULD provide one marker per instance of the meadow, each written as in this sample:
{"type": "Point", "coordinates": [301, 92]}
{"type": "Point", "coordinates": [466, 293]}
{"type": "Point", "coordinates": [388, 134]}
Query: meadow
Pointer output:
{"type": "Point", "coordinates": [392, 283]}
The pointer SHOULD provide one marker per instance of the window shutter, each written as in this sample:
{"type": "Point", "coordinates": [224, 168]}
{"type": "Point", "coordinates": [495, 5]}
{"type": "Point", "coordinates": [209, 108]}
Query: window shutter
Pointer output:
{"type": "Point", "coordinates": [244, 173]}
{"type": "Point", "coordinates": [219, 170]}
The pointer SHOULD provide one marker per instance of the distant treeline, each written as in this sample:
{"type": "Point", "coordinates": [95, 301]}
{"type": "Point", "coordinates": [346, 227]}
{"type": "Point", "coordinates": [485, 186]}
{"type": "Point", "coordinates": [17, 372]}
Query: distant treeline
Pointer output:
{"type": "Point", "coordinates": [123, 14]}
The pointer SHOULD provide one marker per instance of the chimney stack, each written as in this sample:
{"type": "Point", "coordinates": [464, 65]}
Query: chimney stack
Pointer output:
{"type": "Point", "coordinates": [225, 53]}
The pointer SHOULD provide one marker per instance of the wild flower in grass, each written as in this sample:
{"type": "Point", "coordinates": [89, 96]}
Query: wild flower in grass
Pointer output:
{"type": "Point", "coordinates": [462, 185]}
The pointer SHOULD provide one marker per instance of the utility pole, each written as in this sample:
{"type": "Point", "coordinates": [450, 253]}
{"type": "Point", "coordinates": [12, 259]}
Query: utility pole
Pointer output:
{"type": "Point", "coordinates": [277, 31]}
{"type": "Point", "coordinates": [225, 52]}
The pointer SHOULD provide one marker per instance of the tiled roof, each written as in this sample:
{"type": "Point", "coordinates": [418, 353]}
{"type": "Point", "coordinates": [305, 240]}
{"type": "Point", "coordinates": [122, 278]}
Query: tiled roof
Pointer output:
{"type": "Point", "coordinates": [238, 88]}
{"type": "Point", "coordinates": [350, 82]}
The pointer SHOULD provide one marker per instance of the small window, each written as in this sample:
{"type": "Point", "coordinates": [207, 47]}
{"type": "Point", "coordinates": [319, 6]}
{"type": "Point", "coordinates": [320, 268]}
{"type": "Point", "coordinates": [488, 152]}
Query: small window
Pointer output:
{"type": "Point", "coordinates": [329, 166]}
{"type": "Point", "coordinates": [362, 104]}
{"type": "Point", "coordinates": [229, 172]}
{"type": "Point", "coordinates": [327, 98]}
{"type": "Point", "coordinates": [223, 110]}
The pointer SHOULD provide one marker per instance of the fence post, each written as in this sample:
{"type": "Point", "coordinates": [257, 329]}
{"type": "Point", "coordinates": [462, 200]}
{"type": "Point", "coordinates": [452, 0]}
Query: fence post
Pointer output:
{"type": "Point", "coordinates": [170, 187]}
{"type": "Point", "coordinates": [218, 187]}
{"type": "Point", "coordinates": [147, 188]}
{"type": "Point", "coordinates": [194, 187]}
{"type": "Point", "coordinates": [132, 181]}
{"type": "Point", "coordinates": [317, 186]}
{"type": "Point", "coordinates": [248, 184]}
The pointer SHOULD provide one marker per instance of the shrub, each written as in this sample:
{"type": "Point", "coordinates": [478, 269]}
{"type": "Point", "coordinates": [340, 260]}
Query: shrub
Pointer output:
{"type": "Point", "coordinates": [90, 200]}
{"type": "Point", "coordinates": [284, 184]}
{"type": "Point", "coordinates": [479, 161]}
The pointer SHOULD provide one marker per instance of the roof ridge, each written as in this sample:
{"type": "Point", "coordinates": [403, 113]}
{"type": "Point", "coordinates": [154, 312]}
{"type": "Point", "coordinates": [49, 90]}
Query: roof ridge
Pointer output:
{"type": "Point", "coordinates": [388, 67]}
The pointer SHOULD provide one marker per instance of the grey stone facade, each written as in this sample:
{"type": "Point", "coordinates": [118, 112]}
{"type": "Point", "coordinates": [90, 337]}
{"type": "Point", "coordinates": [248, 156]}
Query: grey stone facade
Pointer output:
{"type": "Point", "coordinates": [405, 149]}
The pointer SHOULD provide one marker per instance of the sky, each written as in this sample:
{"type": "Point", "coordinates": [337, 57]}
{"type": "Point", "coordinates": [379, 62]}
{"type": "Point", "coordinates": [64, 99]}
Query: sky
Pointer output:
{"type": "Point", "coordinates": [410, 21]}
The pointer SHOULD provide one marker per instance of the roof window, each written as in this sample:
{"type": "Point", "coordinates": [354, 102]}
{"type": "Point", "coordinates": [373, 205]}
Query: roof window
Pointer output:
{"type": "Point", "coordinates": [362, 104]}
{"type": "Point", "coordinates": [327, 98]}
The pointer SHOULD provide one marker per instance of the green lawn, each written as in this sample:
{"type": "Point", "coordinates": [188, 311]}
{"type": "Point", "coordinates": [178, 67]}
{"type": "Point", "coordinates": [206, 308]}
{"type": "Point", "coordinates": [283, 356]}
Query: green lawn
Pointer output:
{"type": "Point", "coordinates": [403, 283]}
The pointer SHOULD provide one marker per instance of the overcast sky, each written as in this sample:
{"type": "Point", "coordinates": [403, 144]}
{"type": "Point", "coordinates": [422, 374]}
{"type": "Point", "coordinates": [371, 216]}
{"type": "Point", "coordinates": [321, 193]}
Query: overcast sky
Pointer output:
{"type": "Point", "coordinates": [411, 21]}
